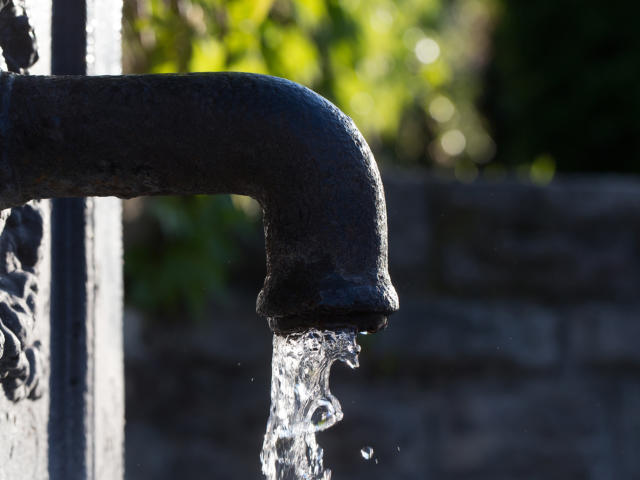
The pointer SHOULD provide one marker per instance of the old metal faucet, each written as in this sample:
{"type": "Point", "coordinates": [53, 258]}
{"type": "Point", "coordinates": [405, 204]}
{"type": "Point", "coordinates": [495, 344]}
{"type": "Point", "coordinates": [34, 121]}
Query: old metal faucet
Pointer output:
{"type": "Point", "coordinates": [302, 159]}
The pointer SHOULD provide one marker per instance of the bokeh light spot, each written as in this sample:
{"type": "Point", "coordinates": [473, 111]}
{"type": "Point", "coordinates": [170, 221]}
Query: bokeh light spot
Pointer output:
{"type": "Point", "coordinates": [441, 109]}
{"type": "Point", "coordinates": [427, 50]}
{"type": "Point", "coordinates": [542, 170]}
{"type": "Point", "coordinates": [453, 142]}
{"type": "Point", "coordinates": [381, 20]}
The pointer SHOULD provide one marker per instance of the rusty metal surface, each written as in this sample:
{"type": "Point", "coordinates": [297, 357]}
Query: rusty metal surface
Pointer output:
{"type": "Point", "coordinates": [294, 152]}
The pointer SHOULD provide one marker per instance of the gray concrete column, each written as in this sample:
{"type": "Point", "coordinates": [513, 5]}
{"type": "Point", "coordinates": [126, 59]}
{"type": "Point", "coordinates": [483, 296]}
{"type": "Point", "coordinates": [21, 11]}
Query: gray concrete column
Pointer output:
{"type": "Point", "coordinates": [61, 365]}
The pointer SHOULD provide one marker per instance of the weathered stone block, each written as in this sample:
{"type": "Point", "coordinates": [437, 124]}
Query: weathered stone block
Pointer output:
{"type": "Point", "coordinates": [627, 445]}
{"type": "Point", "coordinates": [398, 423]}
{"type": "Point", "coordinates": [409, 241]}
{"type": "Point", "coordinates": [574, 238]}
{"type": "Point", "coordinates": [605, 334]}
{"type": "Point", "coordinates": [562, 242]}
{"type": "Point", "coordinates": [470, 333]}
{"type": "Point", "coordinates": [509, 430]}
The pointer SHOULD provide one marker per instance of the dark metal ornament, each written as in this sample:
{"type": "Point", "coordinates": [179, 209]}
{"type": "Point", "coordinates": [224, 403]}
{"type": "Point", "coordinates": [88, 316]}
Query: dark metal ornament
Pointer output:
{"type": "Point", "coordinates": [21, 235]}
{"type": "Point", "coordinates": [21, 365]}
{"type": "Point", "coordinates": [17, 37]}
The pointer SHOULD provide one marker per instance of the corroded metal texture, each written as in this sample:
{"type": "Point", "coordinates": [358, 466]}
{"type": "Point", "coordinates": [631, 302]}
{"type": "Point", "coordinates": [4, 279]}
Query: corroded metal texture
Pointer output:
{"type": "Point", "coordinates": [294, 152]}
{"type": "Point", "coordinates": [21, 233]}
{"type": "Point", "coordinates": [21, 365]}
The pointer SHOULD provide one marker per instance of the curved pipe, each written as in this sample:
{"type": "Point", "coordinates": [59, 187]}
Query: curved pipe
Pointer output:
{"type": "Point", "coordinates": [302, 159]}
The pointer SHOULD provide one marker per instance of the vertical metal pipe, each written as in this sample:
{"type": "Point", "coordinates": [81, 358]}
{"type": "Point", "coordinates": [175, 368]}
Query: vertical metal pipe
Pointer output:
{"type": "Point", "coordinates": [68, 435]}
{"type": "Point", "coordinates": [69, 37]}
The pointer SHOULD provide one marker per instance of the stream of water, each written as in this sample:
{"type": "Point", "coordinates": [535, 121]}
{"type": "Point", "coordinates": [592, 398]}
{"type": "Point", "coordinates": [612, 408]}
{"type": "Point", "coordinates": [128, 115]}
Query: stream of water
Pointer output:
{"type": "Point", "coordinates": [301, 402]}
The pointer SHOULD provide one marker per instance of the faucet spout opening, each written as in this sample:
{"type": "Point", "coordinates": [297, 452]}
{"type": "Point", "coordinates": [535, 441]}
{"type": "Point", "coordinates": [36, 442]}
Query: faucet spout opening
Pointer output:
{"type": "Point", "coordinates": [301, 158]}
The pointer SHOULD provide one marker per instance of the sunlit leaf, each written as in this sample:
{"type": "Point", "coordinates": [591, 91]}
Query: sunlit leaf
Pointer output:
{"type": "Point", "coordinates": [248, 13]}
{"type": "Point", "coordinates": [251, 64]}
{"type": "Point", "coordinates": [298, 57]}
{"type": "Point", "coordinates": [311, 12]}
{"type": "Point", "coordinates": [164, 67]}
{"type": "Point", "coordinates": [208, 56]}
{"type": "Point", "coordinates": [437, 74]}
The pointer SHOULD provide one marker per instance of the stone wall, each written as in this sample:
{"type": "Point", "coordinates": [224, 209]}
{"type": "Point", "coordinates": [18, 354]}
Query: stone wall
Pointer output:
{"type": "Point", "coordinates": [516, 352]}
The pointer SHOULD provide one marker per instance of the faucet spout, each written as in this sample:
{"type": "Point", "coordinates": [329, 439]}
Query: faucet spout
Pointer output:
{"type": "Point", "coordinates": [302, 159]}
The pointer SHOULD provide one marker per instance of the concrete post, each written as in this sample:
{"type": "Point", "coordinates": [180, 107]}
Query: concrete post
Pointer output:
{"type": "Point", "coordinates": [61, 369]}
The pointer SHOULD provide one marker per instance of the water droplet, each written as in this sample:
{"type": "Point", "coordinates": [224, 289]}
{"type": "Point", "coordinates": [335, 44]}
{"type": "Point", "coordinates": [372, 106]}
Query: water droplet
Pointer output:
{"type": "Point", "coordinates": [367, 453]}
{"type": "Point", "coordinates": [252, 379]}
{"type": "Point", "coordinates": [353, 363]}
{"type": "Point", "coordinates": [398, 448]}
{"type": "Point", "coordinates": [325, 415]}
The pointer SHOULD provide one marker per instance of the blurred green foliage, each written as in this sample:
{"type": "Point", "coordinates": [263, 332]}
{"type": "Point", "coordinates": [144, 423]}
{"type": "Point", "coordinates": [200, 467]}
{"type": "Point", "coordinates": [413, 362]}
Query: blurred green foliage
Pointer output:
{"type": "Point", "coordinates": [181, 252]}
{"type": "Point", "coordinates": [407, 71]}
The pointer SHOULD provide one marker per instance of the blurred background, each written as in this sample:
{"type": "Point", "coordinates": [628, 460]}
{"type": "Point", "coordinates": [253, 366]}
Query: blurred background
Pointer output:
{"type": "Point", "coordinates": [507, 136]}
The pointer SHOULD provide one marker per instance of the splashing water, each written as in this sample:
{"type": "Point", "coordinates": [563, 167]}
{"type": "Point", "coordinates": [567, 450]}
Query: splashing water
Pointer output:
{"type": "Point", "coordinates": [301, 403]}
